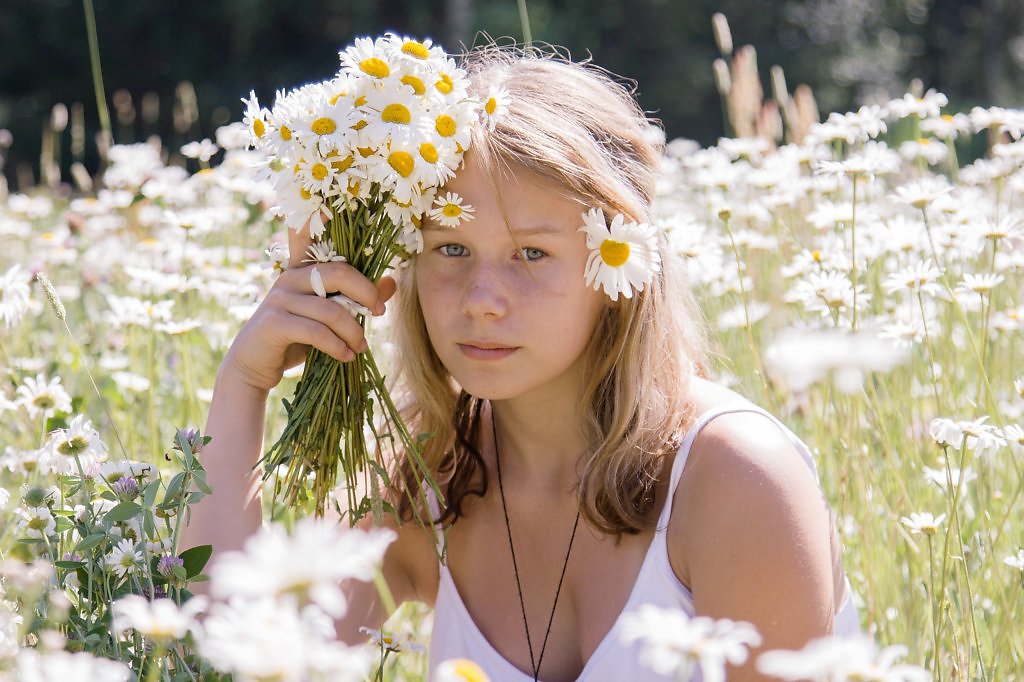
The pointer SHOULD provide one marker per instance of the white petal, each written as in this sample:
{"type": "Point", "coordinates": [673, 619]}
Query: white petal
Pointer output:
{"type": "Point", "coordinates": [317, 282]}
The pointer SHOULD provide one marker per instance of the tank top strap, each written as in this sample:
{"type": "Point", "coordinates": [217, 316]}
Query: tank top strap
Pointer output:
{"type": "Point", "coordinates": [682, 456]}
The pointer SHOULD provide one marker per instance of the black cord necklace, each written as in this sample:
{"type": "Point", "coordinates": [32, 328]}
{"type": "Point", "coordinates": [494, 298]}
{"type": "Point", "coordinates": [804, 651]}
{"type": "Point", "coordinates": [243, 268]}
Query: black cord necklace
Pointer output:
{"type": "Point", "coordinates": [515, 567]}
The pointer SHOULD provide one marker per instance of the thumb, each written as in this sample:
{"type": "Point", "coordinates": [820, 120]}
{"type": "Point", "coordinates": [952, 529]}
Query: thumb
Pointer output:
{"type": "Point", "coordinates": [298, 241]}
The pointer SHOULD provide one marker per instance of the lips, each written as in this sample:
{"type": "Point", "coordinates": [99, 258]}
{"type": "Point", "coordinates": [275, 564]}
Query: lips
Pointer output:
{"type": "Point", "coordinates": [486, 350]}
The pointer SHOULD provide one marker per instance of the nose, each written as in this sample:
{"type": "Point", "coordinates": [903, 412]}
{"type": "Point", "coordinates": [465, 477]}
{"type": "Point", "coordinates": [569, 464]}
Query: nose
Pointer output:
{"type": "Point", "coordinates": [484, 295]}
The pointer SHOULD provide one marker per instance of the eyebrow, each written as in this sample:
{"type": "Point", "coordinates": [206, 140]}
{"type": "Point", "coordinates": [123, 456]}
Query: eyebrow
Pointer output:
{"type": "Point", "coordinates": [533, 230]}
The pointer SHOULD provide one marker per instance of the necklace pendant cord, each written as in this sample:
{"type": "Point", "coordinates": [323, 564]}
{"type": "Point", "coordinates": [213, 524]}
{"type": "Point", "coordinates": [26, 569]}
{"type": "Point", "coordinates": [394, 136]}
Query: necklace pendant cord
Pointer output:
{"type": "Point", "coordinates": [515, 568]}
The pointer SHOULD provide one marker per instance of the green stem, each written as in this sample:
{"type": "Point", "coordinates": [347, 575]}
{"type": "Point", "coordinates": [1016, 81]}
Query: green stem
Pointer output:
{"type": "Point", "coordinates": [524, 20]}
{"type": "Point", "coordinates": [97, 71]}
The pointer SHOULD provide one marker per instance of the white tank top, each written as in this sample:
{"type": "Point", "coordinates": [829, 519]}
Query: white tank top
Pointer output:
{"type": "Point", "coordinates": [455, 635]}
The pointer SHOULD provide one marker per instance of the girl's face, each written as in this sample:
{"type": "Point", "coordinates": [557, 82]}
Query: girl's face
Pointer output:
{"type": "Point", "coordinates": [503, 296]}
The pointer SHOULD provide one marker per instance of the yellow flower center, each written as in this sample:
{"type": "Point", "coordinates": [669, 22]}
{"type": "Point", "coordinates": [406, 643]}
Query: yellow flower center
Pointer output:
{"type": "Point", "coordinates": [444, 83]}
{"type": "Point", "coordinates": [452, 210]}
{"type": "Point", "coordinates": [73, 446]}
{"type": "Point", "coordinates": [344, 164]}
{"type": "Point", "coordinates": [366, 152]}
{"type": "Point", "coordinates": [396, 113]}
{"type": "Point", "coordinates": [614, 253]}
{"type": "Point", "coordinates": [319, 171]}
{"type": "Point", "coordinates": [491, 106]}
{"type": "Point", "coordinates": [258, 127]}
{"type": "Point", "coordinates": [428, 152]}
{"type": "Point", "coordinates": [948, 118]}
{"type": "Point", "coordinates": [924, 141]}
{"type": "Point", "coordinates": [286, 133]}
{"type": "Point", "coordinates": [305, 193]}
{"type": "Point", "coordinates": [416, 49]}
{"type": "Point", "coordinates": [445, 125]}
{"type": "Point", "coordinates": [402, 162]}
{"type": "Point", "coordinates": [375, 67]}
{"type": "Point", "coordinates": [44, 401]}
{"type": "Point", "coordinates": [334, 100]}
{"type": "Point", "coordinates": [324, 126]}
{"type": "Point", "coordinates": [360, 125]}
{"type": "Point", "coordinates": [469, 671]}
{"type": "Point", "coordinates": [415, 83]}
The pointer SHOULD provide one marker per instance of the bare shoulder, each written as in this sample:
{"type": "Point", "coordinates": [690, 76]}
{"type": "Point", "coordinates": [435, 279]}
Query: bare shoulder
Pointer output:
{"type": "Point", "coordinates": [748, 513]}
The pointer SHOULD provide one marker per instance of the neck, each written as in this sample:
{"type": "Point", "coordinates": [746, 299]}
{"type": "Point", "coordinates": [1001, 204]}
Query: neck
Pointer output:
{"type": "Point", "coordinates": [541, 443]}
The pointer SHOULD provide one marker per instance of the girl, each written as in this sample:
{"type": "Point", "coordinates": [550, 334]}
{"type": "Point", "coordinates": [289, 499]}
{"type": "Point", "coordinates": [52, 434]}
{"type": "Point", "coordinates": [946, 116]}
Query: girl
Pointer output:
{"type": "Point", "coordinates": [588, 465]}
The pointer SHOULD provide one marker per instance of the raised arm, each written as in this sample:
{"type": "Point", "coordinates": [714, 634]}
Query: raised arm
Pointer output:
{"type": "Point", "coordinates": [289, 320]}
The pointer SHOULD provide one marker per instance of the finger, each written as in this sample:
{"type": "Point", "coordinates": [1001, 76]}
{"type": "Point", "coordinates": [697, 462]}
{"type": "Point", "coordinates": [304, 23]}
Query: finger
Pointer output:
{"type": "Point", "coordinates": [298, 242]}
{"type": "Point", "coordinates": [313, 333]}
{"type": "Point", "coordinates": [336, 278]}
{"type": "Point", "coordinates": [332, 316]}
{"type": "Point", "coordinates": [386, 288]}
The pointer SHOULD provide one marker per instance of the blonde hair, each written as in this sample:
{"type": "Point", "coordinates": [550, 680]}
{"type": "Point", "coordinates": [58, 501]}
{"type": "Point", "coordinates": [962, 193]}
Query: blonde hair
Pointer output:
{"type": "Point", "coordinates": [575, 126]}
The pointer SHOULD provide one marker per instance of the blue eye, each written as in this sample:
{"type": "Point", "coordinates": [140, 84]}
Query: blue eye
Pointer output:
{"type": "Point", "coordinates": [453, 250]}
{"type": "Point", "coordinates": [531, 254]}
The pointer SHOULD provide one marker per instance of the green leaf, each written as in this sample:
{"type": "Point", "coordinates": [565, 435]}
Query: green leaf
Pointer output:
{"type": "Point", "coordinates": [149, 493]}
{"type": "Point", "coordinates": [174, 487]}
{"type": "Point", "coordinates": [195, 559]}
{"type": "Point", "coordinates": [70, 565]}
{"type": "Point", "coordinates": [122, 512]}
{"type": "Point", "coordinates": [90, 541]}
{"type": "Point", "coordinates": [200, 480]}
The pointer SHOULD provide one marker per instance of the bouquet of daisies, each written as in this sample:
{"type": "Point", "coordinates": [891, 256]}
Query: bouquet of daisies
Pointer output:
{"type": "Point", "coordinates": [359, 159]}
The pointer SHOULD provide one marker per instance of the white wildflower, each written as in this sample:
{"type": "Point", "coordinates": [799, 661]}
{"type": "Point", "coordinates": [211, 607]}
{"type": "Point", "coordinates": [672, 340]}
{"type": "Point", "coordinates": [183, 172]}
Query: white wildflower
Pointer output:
{"type": "Point", "coordinates": [310, 564]}
{"type": "Point", "coordinates": [673, 643]}
{"type": "Point", "coordinates": [836, 659]}
{"type": "Point", "coordinates": [161, 619]}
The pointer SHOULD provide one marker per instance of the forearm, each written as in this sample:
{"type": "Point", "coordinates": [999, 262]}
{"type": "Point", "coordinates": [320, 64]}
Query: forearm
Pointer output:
{"type": "Point", "coordinates": [235, 423]}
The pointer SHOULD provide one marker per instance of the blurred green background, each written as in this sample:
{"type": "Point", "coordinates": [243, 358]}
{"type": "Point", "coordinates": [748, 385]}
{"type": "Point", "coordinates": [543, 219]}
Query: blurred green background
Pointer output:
{"type": "Point", "coordinates": [177, 69]}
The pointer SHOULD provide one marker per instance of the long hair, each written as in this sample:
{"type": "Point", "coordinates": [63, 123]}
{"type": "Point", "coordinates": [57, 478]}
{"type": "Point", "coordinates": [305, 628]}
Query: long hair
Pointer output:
{"type": "Point", "coordinates": [575, 126]}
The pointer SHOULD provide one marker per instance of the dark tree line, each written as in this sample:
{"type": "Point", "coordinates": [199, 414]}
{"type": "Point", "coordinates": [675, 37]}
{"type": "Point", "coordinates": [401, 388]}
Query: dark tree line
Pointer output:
{"type": "Point", "coordinates": [848, 51]}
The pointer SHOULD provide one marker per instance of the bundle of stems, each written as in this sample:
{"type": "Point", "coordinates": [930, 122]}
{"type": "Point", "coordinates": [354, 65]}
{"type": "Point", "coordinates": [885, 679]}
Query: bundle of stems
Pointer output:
{"type": "Point", "coordinates": [341, 414]}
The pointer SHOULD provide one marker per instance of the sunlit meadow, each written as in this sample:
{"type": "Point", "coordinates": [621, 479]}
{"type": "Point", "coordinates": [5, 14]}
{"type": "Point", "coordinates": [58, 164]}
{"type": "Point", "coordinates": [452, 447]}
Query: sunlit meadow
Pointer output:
{"type": "Point", "coordinates": [860, 282]}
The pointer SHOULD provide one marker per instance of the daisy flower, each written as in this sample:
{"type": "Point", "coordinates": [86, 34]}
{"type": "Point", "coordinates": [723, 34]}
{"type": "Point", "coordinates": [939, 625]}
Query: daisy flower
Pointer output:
{"type": "Point", "coordinates": [310, 564]}
{"type": "Point", "coordinates": [161, 619]}
{"type": "Point", "coordinates": [125, 558]}
{"type": "Point", "coordinates": [449, 210]}
{"type": "Point", "coordinates": [367, 57]}
{"type": "Point", "coordinates": [947, 126]}
{"type": "Point", "coordinates": [841, 658]}
{"type": "Point", "coordinates": [495, 106]}
{"type": "Point", "coordinates": [923, 523]}
{"type": "Point", "coordinates": [322, 252]}
{"type": "Point", "coordinates": [389, 642]}
{"type": "Point", "coordinates": [1015, 560]}
{"type": "Point", "coordinates": [623, 256]}
{"type": "Point", "coordinates": [980, 284]}
{"type": "Point", "coordinates": [278, 255]}
{"type": "Point", "coordinates": [36, 522]}
{"type": "Point", "coordinates": [299, 206]}
{"type": "Point", "coordinates": [79, 440]}
{"type": "Point", "coordinates": [454, 125]}
{"type": "Point", "coordinates": [316, 175]}
{"type": "Point", "coordinates": [407, 51]}
{"type": "Point", "coordinates": [255, 118]}
{"type": "Point", "coordinates": [14, 291]}
{"type": "Point", "coordinates": [923, 192]}
{"type": "Point", "coordinates": [40, 395]}
{"type": "Point", "coordinates": [672, 642]}
{"type": "Point", "coordinates": [460, 670]}
{"type": "Point", "coordinates": [921, 276]}
{"type": "Point", "coordinates": [927, 106]}
{"type": "Point", "coordinates": [393, 112]}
